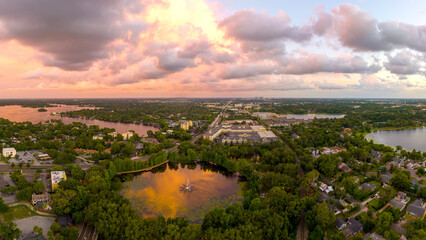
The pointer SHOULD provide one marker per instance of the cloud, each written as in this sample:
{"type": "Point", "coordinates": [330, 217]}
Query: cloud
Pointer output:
{"type": "Point", "coordinates": [167, 57]}
{"type": "Point", "coordinates": [403, 62]}
{"type": "Point", "coordinates": [248, 25]}
{"type": "Point", "coordinates": [70, 34]}
{"type": "Point", "coordinates": [308, 63]}
{"type": "Point", "coordinates": [359, 30]}
{"type": "Point", "coordinates": [326, 85]}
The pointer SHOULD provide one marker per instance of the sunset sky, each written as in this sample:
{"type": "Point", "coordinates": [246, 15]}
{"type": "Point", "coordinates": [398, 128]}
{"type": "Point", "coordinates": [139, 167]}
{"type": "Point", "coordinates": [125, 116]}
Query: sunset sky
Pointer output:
{"type": "Point", "coordinates": [201, 48]}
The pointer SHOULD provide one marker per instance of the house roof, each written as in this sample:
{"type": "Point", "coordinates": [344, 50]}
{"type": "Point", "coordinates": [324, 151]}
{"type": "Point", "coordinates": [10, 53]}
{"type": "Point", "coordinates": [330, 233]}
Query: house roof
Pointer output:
{"type": "Point", "coordinates": [416, 210]}
{"type": "Point", "coordinates": [402, 194]}
{"type": "Point", "coordinates": [396, 204]}
{"type": "Point", "coordinates": [368, 186]}
{"type": "Point", "coordinates": [356, 226]}
{"type": "Point", "coordinates": [65, 220]}
{"type": "Point", "coordinates": [373, 236]}
{"type": "Point", "coordinates": [339, 222]}
{"type": "Point", "coordinates": [386, 178]}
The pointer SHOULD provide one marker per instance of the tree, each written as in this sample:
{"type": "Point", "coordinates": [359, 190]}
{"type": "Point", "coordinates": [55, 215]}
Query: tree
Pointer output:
{"type": "Point", "coordinates": [384, 221]}
{"type": "Point", "coordinates": [386, 194]}
{"type": "Point", "coordinates": [401, 180]}
{"type": "Point", "coordinates": [9, 230]}
{"type": "Point", "coordinates": [77, 172]}
{"type": "Point", "coordinates": [3, 206]}
{"type": "Point", "coordinates": [38, 230]}
{"type": "Point", "coordinates": [422, 192]}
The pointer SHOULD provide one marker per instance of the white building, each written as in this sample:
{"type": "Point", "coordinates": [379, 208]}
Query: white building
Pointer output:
{"type": "Point", "coordinates": [127, 135]}
{"type": "Point", "coordinates": [9, 152]}
{"type": "Point", "coordinates": [57, 177]}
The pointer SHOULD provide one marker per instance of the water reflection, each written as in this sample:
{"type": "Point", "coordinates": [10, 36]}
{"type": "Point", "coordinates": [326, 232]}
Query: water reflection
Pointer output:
{"type": "Point", "coordinates": [20, 114]}
{"type": "Point", "coordinates": [408, 138]}
{"type": "Point", "coordinates": [158, 192]}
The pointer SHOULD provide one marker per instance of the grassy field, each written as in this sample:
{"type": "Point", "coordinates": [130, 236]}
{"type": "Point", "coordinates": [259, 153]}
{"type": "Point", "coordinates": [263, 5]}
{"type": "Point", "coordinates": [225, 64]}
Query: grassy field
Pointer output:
{"type": "Point", "coordinates": [17, 212]}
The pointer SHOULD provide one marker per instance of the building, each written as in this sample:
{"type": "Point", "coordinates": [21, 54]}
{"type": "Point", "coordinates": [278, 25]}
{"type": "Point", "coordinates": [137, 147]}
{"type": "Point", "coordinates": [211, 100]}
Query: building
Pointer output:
{"type": "Point", "coordinates": [127, 135]}
{"type": "Point", "coordinates": [340, 224]}
{"type": "Point", "coordinates": [368, 186]}
{"type": "Point", "coordinates": [342, 166]}
{"type": "Point", "coordinates": [98, 137]}
{"type": "Point", "coordinates": [43, 157]}
{"type": "Point", "coordinates": [416, 209]}
{"type": "Point", "coordinates": [231, 133]}
{"type": "Point", "coordinates": [113, 134]}
{"type": "Point", "coordinates": [373, 236]}
{"type": "Point", "coordinates": [57, 177]}
{"type": "Point", "coordinates": [185, 125]}
{"type": "Point", "coordinates": [353, 227]}
{"type": "Point", "coordinates": [40, 199]}
{"type": "Point", "coordinates": [398, 204]}
{"type": "Point", "coordinates": [9, 152]}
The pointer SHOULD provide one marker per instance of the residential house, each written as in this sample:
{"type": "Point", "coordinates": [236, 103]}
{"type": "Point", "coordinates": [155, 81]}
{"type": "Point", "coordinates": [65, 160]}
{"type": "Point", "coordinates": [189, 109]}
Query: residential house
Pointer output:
{"type": "Point", "coordinates": [386, 178]}
{"type": "Point", "coordinates": [415, 182]}
{"type": "Point", "coordinates": [376, 155]}
{"type": "Point", "coordinates": [325, 188]}
{"type": "Point", "coordinates": [342, 166]}
{"type": "Point", "coordinates": [65, 220]}
{"type": "Point", "coordinates": [353, 227]}
{"type": "Point", "coordinates": [127, 135]}
{"type": "Point", "coordinates": [98, 137]}
{"type": "Point", "coordinates": [416, 209]}
{"type": "Point", "coordinates": [40, 199]}
{"type": "Point", "coordinates": [368, 186]}
{"type": "Point", "coordinates": [398, 203]}
{"type": "Point", "coordinates": [315, 152]}
{"type": "Point", "coordinates": [340, 224]}
{"type": "Point", "coordinates": [373, 236]}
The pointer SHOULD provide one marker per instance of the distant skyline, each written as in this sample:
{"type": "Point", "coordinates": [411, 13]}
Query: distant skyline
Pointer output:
{"type": "Point", "coordinates": [201, 49]}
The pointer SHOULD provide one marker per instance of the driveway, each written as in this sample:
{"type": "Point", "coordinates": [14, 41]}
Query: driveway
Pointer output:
{"type": "Point", "coordinates": [27, 224]}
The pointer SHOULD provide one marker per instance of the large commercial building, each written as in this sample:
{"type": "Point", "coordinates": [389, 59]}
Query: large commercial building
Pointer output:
{"type": "Point", "coordinates": [185, 125]}
{"type": "Point", "coordinates": [57, 177]}
{"type": "Point", "coordinates": [240, 133]}
{"type": "Point", "coordinates": [9, 152]}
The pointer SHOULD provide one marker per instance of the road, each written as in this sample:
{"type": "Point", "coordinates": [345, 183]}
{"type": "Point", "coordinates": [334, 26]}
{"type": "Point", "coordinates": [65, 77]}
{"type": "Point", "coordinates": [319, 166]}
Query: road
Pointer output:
{"type": "Point", "coordinates": [194, 139]}
{"type": "Point", "coordinates": [87, 232]}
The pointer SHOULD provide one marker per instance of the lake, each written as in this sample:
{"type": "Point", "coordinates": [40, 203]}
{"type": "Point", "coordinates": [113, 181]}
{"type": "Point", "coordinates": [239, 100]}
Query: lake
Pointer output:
{"type": "Point", "coordinates": [161, 192]}
{"type": "Point", "coordinates": [408, 138]}
{"type": "Point", "coordinates": [311, 116]}
{"type": "Point", "coordinates": [17, 113]}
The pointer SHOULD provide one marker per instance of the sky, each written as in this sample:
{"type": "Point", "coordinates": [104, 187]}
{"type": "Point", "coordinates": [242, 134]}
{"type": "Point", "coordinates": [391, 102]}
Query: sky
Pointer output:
{"type": "Point", "coordinates": [203, 48]}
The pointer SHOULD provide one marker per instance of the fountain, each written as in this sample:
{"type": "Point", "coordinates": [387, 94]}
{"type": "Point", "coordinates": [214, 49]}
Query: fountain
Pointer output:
{"type": "Point", "coordinates": [187, 187]}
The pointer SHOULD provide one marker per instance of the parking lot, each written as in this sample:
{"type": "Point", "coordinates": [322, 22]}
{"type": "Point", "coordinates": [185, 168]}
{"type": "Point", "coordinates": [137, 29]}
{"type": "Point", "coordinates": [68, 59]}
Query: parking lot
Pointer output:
{"type": "Point", "coordinates": [27, 224]}
{"type": "Point", "coordinates": [28, 157]}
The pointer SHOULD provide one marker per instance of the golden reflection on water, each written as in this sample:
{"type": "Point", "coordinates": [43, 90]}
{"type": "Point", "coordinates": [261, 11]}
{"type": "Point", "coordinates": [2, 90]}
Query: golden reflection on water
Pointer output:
{"type": "Point", "coordinates": [160, 193]}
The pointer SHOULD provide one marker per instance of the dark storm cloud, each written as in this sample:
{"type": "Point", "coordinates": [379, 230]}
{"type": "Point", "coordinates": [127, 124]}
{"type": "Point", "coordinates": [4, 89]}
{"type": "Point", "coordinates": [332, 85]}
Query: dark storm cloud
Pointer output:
{"type": "Point", "coordinates": [71, 34]}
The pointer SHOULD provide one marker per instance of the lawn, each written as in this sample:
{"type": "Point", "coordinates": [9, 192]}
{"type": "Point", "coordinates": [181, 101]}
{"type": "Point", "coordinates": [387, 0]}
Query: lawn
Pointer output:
{"type": "Point", "coordinates": [17, 212]}
{"type": "Point", "coordinates": [375, 204]}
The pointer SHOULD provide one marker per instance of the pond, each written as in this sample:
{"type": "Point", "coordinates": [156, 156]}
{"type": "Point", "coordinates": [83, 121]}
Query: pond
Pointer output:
{"type": "Point", "coordinates": [17, 113]}
{"type": "Point", "coordinates": [162, 191]}
{"type": "Point", "coordinates": [311, 116]}
{"type": "Point", "coordinates": [408, 138]}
